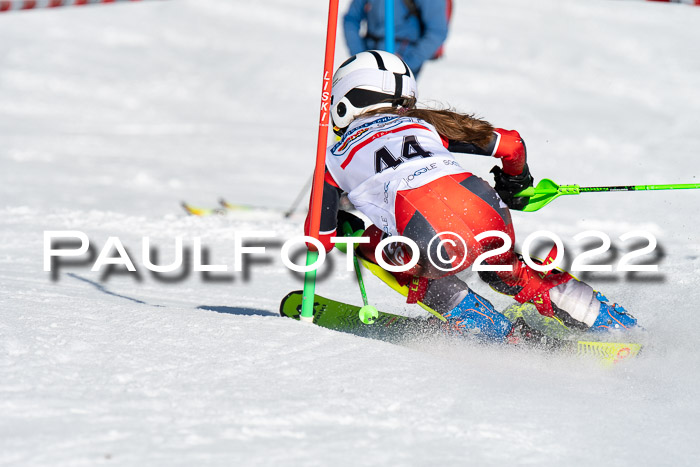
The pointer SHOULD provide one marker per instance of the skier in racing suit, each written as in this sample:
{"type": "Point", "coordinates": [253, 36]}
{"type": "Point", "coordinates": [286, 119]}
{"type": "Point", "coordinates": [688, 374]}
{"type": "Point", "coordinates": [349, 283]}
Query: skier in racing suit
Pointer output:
{"type": "Point", "coordinates": [396, 163]}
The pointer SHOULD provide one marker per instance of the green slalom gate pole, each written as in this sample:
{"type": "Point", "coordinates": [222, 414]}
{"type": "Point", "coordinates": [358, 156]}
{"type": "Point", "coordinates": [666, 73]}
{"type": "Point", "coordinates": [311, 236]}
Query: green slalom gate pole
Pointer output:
{"type": "Point", "coordinates": [307, 303]}
{"type": "Point", "coordinates": [308, 296]}
{"type": "Point", "coordinates": [547, 191]}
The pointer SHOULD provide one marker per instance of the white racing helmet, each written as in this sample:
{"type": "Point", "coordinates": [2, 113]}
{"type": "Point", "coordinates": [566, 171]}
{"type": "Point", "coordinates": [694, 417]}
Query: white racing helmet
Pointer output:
{"type": "Point", "coordinates": [367, 81]}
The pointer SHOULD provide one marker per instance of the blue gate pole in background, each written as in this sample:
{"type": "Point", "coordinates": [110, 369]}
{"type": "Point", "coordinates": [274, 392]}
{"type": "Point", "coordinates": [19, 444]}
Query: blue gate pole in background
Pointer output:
{"type": "Point", "coordinates": [389, 26]}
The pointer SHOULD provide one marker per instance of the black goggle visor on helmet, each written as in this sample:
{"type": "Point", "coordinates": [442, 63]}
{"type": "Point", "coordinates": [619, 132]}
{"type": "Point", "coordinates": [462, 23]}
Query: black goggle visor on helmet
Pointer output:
{"type": "Point", "coordinates": [361, 98]}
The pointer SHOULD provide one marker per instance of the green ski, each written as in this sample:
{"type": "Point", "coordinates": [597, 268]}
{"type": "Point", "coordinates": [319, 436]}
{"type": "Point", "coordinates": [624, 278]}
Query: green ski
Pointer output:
{"type": "Point", "coordinates": [344, 317]}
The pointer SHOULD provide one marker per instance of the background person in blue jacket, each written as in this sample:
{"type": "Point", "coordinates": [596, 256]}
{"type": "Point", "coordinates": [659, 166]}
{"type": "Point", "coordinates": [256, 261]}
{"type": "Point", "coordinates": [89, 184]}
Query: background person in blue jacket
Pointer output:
{"type": "Point", "coordinates": [420, 28]}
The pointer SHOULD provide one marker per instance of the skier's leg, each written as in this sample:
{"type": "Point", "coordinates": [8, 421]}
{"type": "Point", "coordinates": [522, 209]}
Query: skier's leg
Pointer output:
{"type": "Point", "coordinates": [446, 210]}
{"type": "Point", "coordinates": [467, 205]}
{"type": "Point", "coordinates": [469, 313]}
{"type": "Point", "coordinates": [442, 219]}
{"type": "Point", "coordinates": [559, 295]}
{"type": "Point", "coordinates": [443, 294]}
{"type": "Point", "coordinates": [466, 311]}
{"type": "Point", "coordinates": [433, 216]}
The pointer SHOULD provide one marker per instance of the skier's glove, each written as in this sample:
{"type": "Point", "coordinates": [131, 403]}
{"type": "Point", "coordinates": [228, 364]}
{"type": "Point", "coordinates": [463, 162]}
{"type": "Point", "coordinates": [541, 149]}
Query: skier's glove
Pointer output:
{"type": "Point", "coordinates": [509, 185]}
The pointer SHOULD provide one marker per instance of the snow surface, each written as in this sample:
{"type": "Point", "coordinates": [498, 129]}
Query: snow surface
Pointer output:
{"type": "Point", "coordinates": [109, 116]}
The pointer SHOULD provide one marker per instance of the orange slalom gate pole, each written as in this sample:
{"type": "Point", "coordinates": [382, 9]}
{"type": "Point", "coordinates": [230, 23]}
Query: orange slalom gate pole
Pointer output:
{"type": "Point", "coordinates": [307, 303]}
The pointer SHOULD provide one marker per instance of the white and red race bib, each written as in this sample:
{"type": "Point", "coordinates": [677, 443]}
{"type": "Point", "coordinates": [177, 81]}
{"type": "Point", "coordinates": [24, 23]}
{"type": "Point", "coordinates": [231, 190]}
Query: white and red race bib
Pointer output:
{"type": "Point", "coordinates": [380, 155]}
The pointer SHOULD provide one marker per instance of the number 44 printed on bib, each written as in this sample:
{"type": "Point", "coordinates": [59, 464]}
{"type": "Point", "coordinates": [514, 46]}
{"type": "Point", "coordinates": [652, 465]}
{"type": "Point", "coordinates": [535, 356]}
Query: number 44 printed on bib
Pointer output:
{"type": "Point", "coordinates": [410, 149]}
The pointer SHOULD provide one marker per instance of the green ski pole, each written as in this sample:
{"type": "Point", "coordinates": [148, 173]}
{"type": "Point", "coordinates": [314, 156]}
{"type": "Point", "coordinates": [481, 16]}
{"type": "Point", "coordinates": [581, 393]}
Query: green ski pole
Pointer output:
{"type": "Point", "coordinates": [368, 314]}
{"type": "Point", "coordinates": [547, 191]}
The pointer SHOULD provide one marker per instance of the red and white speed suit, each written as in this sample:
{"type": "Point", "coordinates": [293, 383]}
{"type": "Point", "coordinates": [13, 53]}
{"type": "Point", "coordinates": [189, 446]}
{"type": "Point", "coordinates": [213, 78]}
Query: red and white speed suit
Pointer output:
{"type": "Point", "coordinates": [401, 173]}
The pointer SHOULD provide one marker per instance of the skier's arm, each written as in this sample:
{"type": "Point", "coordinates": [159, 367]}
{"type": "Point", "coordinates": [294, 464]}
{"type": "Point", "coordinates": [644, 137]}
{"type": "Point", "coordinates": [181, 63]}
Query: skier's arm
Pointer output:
{"type": "Point", "coordinates": [329, 213]}
{"type": "Point", "coordinates": [508, 146]}
{"type": "Point", "coordinates": [434, 15]}
{"type": "Point", "coordinates": [351, 26]}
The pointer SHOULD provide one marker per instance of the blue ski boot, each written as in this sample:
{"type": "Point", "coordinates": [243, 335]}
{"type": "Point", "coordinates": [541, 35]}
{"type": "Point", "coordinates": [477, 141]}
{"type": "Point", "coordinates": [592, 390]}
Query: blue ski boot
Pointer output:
{"type": "Point", "coordinates": [476, 315]}
{"type": "Point", "coordinates": [612, 317]}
